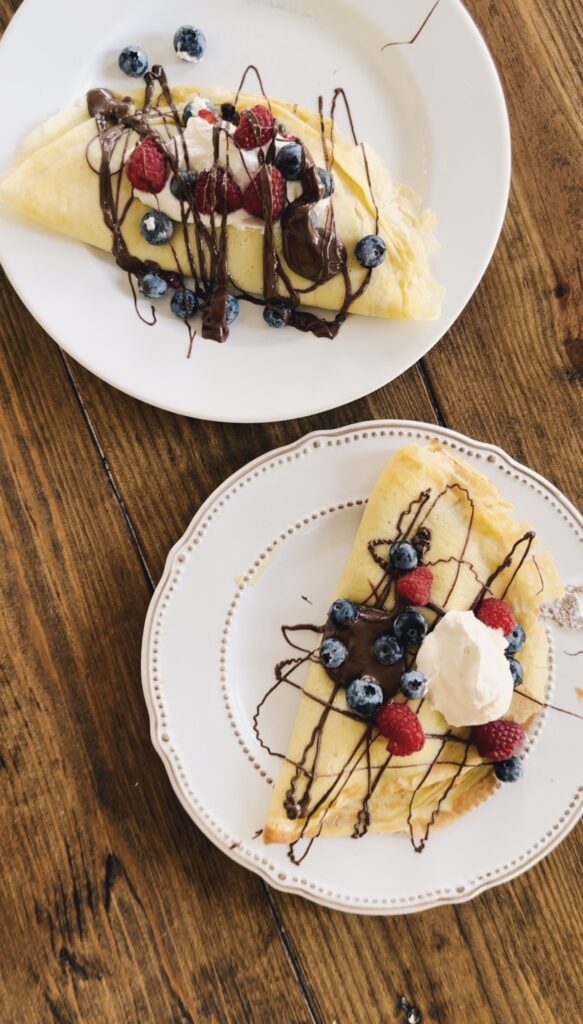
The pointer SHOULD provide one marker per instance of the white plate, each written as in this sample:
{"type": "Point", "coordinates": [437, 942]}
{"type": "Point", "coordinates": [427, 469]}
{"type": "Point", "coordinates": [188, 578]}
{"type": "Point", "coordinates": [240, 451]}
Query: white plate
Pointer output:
{"type": "Point", "coordinates": [274, 534]}
{"type": "Point", "coordinates": [434, 110]}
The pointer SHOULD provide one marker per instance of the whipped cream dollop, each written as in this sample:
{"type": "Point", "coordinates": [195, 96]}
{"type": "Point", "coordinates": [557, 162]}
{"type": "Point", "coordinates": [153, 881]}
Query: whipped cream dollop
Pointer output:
{"type": "Point", "coordinates": [198, 138]}
{"type": "Point", "coordinates": [469, 677]}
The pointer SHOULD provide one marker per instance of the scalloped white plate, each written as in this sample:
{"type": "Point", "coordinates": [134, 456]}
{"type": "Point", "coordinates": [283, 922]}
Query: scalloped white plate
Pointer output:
{"type": "Point", "coordinates": [433, 109]}
{"type": "Point", "coordinates": [267, 548]}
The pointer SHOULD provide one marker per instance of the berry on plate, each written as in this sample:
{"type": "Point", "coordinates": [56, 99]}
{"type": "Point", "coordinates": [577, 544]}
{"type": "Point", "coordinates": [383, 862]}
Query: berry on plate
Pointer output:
{"type": "Point", "coordinates": [387, 649]}
{"type": "Point", "coordinates": [133, 61]}
{"type": "Point", "coordinates": [253, 198]}
{"type": "Point", "coordinates": [516, 640]}
{"type": "Point", "coordinates": [193, 109]}
{"type": "Point", "coordinates": [403, 556]}
{"type": "Point", "coordinates": [255, 127]}
{"type": "Point", "coordinates": [517, 671]}
{"type": "Point", "coordinates": [277, 313]}
{"type": "Point", "coordinates": [153, 285]}
{"type": "Point", "coordinates": [156, 227]}
{"type": "Point", "coordinates": [147, 167]}
{"type": "Point", "coordinates": [288, 161]}
{"type": "Point", "coordinates": [343, 613]}
{"type": "Point", "coordinates": [216, 191]}
{"type": "Point", "coordinates": [333, 653]}
{"type": "Point", "coordinates": [229, 113]}
{"type": "Point", "coordinates": [497, 741]}
{"type": "Point", "coordinates": [370, 251]}
{"type": "Point", "coordinates": [413, 685]}
{"type": "Point", "coordinates": [183, 184]}
{"type": "Point", "coordinates": [184, 303]}
{"type": "Point", "coordinates": [327, 181]}
{"type": "Point", "coordinates": [497, 614]}
{"type": "Point", "coordinates": [233, 309]}
{"type": "Point", "coordinates": [364, 696]}
{"type": "Point", "coordinates": [510, 770]}
{"type": "Point", "coordinates": [189, 43]}
{"type": "Point", "coordinates": [410, 627]}
{"type": "Point", "coordinates": [415, 586]}
{"type": "Point", "coordinates": [401, 727]}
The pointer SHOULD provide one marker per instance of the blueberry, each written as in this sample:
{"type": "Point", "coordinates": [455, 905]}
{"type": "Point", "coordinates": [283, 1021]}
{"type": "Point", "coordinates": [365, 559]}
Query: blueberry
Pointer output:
{"type": "Point", "coordinates": [189, 43]}
{"type": "Point", "coordinates": [343, 613]}
{"type": "Point", "coordinates": [153, 285]}
{"type": "Point", "coordinates": [188, 112]}
{"type": "Point", "coordinates": [233, 309]}
{"type": "Point", "coordinates": [410, 627]}
{"type": "Point", "coordinates": [516, 640]}
{"type": "Point", "coordinates": [182, 185]}
{"type": "Point", "coordinates": [364, 696]}
{"type": "Point", "coordinates": [156, 227]}
{"type": "Point", "coordinates": [191, 110]}
{"type": "Point", "coordinates": [327, 181]}
{"type": "Point", "coordinates": [413, 685]}
{"type": "Point", "coordinates": [403, 556]}
{"type": "Point", "coordinates": [288, 161]}
{"type": "Point", "coordinates": [370, 251]}
{"type": "Point", "coordinates": [517, 671]}
{"type": "Point", "coordinates": [184, 303]}
{"type": "Point", "coordinates": [333, 653]}
{"type": "Point", "coordinates": [510, 770]}
{"type": "Point", "coordinates": [133, 61]}
{"type": "Point", "coordinates": [387, 649]}
{"type": "Point", "coordinates": [229, 113]}
{"type": "Point", "coordinates": [277, 313]}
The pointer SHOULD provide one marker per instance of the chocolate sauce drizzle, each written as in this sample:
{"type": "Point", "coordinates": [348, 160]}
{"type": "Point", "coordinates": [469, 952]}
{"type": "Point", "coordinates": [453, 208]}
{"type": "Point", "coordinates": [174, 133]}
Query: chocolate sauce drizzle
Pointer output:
{"type": "Point", "coordinates": [415, 37]}
{"type": "Point", "coordinates": [312, 251]}
{"type": "Point", "coordinates": [376, 614]}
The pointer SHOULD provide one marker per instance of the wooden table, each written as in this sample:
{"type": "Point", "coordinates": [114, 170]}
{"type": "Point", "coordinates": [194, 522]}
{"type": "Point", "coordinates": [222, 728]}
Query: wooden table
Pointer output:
{"type": "Point", "coordinates": [113, 907]}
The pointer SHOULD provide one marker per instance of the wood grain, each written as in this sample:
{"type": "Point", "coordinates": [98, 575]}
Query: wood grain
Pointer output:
{"type": "Point", "coordinates": [519, 346]}
{"type": "Point", "coordinates": [114, 907]}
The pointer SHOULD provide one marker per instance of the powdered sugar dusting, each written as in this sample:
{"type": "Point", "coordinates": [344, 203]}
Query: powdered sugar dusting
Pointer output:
{"type": "Point", "coordinates": [566, 611]}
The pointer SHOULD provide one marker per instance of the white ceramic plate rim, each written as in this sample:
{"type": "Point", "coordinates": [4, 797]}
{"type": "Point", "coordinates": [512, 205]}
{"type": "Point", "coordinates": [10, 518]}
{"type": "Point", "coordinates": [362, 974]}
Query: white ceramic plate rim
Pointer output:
{"type": "Point", "coordinates": [412, 429]}
{"type": "Point", "coordinates": [314, 401]}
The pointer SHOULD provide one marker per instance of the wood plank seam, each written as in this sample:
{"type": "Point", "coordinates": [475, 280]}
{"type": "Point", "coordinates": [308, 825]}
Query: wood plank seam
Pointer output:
{"type": "Point", "coordinates": [107, 470]}
{"type": "Point", "coordinates": [287, 944]}
{"type": "Point", "coordinates": [431, 393]}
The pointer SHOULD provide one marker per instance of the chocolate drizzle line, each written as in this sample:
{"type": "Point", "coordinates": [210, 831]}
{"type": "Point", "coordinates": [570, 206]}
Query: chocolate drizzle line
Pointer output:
{"type": "Point", "coordinates": [313, 252]}
{"type": "Point", "coordinates": [414, 38]}
{"type": "Point", "coordinates": [410, 525]}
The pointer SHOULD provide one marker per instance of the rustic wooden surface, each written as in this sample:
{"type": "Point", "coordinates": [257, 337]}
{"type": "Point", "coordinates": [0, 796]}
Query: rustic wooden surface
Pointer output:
{"type": "Point", "coordinates": [113, 907]}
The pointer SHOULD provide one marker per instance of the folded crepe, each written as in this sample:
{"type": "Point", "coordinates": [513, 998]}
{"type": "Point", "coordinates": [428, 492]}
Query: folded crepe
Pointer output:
{"type": "Point", "coordinates": [337, 773]}
{"type": "Point", "coordinates": [55, 181]}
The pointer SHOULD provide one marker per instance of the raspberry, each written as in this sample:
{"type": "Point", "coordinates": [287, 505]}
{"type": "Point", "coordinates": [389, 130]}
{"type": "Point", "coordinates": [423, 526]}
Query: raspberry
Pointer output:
{"type": "Point", "coordinates": [255, 127]}
{"type": "Point", "coordinates": [415, 586]}
{"type": "Point", "coordinates": [216, 191]}
{"type": "Point", "coordinates": [498, 741]}
{"type": "Point", "coordinates": [147, 167]}
{"type": "Point", "coordinates": [253, 194]}
{"type": "Point", "coordinates": [497, 614]}
{"type": "Point", "coordinates": [402, 728]}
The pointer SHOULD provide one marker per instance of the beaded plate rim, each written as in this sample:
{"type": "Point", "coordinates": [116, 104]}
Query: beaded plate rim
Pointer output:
{"type": "Point", "coordinates": [246, 853]}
